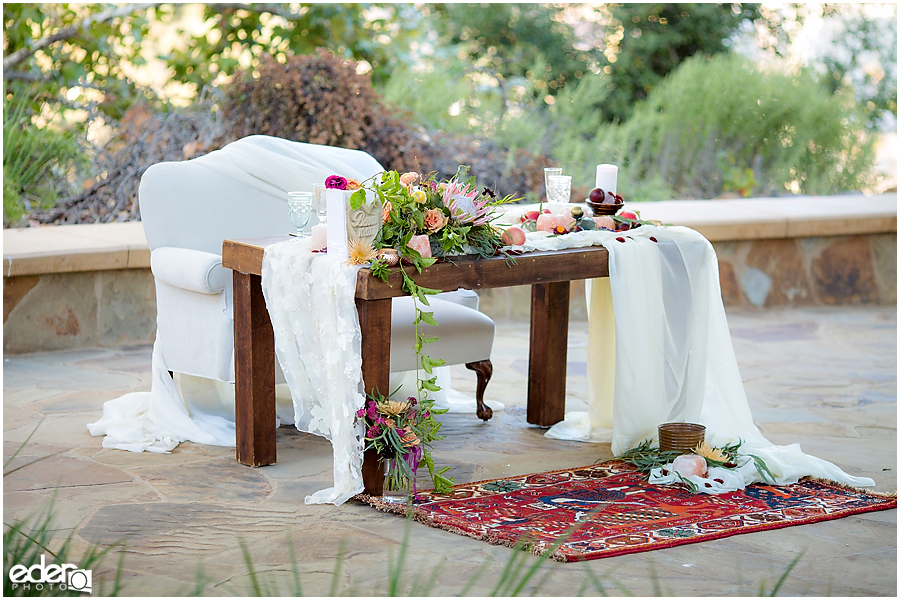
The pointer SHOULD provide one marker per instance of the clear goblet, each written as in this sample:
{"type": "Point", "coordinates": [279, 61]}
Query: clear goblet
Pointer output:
{"type": "Point", "coordinates": [300, 209]}
{"type": "Point", "coordinates": [321, 202]}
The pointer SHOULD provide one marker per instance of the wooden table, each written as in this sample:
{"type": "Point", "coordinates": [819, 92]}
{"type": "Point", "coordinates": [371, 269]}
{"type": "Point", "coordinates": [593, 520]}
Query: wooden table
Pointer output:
{"type": "Point", "coordinates": [548, 273]}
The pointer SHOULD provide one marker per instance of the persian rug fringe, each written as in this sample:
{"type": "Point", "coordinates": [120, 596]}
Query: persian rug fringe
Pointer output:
{"type": "Point", "coordinates": [850, 488]}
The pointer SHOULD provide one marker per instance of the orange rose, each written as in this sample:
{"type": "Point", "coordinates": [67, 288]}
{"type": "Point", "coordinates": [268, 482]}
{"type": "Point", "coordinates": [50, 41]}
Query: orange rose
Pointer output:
{"type": "Point", "coordinates": [386, 212]}
{"type": "Point", "coordinates": [352, 184]}
{"type": "Point", "coordinates": [435, 220]}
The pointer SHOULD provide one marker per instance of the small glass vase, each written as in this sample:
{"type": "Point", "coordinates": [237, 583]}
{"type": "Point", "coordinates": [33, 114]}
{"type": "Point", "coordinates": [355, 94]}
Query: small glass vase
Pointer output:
{"type": "Point", "coordinates": [396, 484]}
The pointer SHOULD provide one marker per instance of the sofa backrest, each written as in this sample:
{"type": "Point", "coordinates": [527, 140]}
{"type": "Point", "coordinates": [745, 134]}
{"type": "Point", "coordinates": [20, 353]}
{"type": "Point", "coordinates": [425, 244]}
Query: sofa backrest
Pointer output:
{"type": "Point", "coordinates": [238, 191]}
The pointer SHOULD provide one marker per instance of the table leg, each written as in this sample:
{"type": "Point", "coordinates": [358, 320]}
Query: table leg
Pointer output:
{"type": "Point", "coordinates": [375, 324]}
{"type": "Point", "coordinates": [254, 373]}
{"type": "Point", "coordinates": [547, 353]}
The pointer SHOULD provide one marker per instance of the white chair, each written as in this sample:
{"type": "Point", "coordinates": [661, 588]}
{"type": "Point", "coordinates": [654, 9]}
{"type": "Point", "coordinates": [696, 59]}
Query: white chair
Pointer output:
{"type": "Point", "coordinates": [240, 191]}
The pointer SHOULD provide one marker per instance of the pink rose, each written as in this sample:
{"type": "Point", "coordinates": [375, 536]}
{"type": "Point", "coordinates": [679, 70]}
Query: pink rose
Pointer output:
{"type": "Point", "coordinates": [420, 244]}
{"type": "Point", "coordinates": [435, 220]}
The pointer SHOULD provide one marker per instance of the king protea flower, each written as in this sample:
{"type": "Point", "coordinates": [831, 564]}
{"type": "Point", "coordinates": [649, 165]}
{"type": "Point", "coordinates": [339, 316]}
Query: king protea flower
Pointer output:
{"type": "Point", "coordinates": [706, 451]}
{"type": "Point", "coordinates": [463, 205]}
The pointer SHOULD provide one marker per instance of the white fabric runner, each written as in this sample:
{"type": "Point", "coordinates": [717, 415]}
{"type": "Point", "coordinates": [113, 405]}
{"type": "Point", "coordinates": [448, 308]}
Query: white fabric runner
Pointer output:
{"type": "Point", "coordinates": [668, 350]}
{"type": "Point", "coordinates": [310, 298]}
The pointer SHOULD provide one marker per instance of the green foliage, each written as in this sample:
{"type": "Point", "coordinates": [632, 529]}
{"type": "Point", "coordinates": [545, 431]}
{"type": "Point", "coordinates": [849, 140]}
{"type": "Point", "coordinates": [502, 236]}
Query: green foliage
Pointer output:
{"type": "Point", "coordinates": [85, 64]}
{"type": "Point", "coordinates": [793, 134]}
{"type": "Point", "coordinates": [506, 40]}
{"type": "Point", "coordinates": [37, 162]}
{"type": "Point", "coordinates": [362, 32]}
{"type": "Point", "coordinates": [649, 41]}
{"type": "Point", "coordinates": [864, 59]}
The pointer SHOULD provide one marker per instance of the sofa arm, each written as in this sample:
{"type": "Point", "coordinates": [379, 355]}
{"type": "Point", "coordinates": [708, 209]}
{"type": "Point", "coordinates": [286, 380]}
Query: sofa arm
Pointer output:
{"type": "Point", "coordinates": [187, 269]}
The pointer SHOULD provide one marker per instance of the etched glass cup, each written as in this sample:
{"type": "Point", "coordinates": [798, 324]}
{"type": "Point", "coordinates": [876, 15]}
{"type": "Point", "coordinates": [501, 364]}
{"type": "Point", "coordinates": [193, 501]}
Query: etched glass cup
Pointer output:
{"type": "Point", "coordinates": [548, 173]}
{"type": "Point", "coordinates": [300, 209]}
{"type": "Point", "coordinates": [560, 189]}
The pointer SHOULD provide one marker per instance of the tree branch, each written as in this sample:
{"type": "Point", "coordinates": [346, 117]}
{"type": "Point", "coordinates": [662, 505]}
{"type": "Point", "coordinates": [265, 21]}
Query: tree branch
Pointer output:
{"type": "Point", "coordinates": [274, 9]}
{"type": "Point", "coordinates": [20, 55]}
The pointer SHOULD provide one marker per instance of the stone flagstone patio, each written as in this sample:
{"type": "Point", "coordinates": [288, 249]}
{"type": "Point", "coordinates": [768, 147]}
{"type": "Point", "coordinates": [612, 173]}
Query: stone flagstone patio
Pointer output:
{"type": "Point", "coordinates": [823, 377]}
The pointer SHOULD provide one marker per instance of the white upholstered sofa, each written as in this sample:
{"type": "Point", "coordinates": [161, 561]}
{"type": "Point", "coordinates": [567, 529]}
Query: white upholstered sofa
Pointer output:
{"type": "Point", "coordinates": [188, 208]}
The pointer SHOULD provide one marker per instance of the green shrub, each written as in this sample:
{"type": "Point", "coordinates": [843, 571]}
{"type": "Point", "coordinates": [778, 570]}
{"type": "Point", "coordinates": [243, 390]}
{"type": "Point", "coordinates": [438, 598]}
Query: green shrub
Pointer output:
{"type": "Point", "coordinates": [37, 160]}
{"type": "Point", "coordinates": [714, 119]}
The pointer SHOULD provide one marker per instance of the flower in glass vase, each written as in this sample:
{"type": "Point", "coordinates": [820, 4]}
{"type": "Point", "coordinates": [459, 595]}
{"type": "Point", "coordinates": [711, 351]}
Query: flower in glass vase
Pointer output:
{"type": "Point", "coordinates": [401, 433]}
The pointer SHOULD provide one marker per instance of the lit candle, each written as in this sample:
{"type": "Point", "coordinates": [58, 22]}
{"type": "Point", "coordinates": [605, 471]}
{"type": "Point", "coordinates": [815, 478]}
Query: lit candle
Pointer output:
{"type": "Point", "coordinates": [319, 237]}
{"type": "Point", "coordinates": [606, 178]}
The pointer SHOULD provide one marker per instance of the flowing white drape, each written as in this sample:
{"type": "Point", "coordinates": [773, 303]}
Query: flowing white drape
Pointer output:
{"type": "Point", "coordinates": [659, 333]}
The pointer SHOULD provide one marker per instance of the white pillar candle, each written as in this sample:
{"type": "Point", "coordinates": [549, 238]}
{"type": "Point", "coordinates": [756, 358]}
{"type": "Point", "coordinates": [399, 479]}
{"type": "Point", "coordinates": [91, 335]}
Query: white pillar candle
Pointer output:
{"type": "Point", "coordinates": [319, 237]}
{"type": "Point", "coordinates": [606, 178]}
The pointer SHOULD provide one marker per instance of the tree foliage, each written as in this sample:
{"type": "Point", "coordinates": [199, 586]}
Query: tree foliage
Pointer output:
{"type": "Point", "coordinates": [508, 40]}
{"type": "Point", "coordinates": [648, 41]}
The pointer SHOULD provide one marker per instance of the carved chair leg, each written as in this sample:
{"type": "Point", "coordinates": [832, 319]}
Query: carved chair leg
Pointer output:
{"type": "Point", "coordinates": [483, 369]}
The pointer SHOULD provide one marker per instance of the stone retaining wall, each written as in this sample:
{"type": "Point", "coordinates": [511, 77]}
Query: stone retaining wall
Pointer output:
{"type": "Point", "coordinates": [90, 285]}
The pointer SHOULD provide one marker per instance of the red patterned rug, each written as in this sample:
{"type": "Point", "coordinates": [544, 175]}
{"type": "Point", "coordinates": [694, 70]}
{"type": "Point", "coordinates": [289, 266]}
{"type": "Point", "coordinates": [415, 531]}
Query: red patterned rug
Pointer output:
{"type": "Point", "coordinates": [609, 509]}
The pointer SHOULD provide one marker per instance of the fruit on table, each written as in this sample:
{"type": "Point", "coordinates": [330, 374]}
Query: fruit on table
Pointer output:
{"type": "Point", "coordinates": [531, 215]}
{"type": "Point", "coordinates": [597, 196]}
{"type": "Point", "coordinates": [577, 212]}
{"type": "Point", "coordinates": [605, 222]}
{"type": "Point", "coordinates": [627, 214]}
{"type": "Point", "coordinates": [513, 236]}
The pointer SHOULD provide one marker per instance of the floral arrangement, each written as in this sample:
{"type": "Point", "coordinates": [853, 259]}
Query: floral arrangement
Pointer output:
{"type": "Point", "coordinates": [423, 220]}
{"type": "Point", "coordinates": [401, 433]}
{"type": "Point", "coordinates": [680, 467]}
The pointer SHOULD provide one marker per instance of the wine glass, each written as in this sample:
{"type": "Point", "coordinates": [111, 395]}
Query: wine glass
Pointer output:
{"type": "Point", "coordinates": [321, 202]}
{"type": "Point", "coordinates": [300, 208]}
